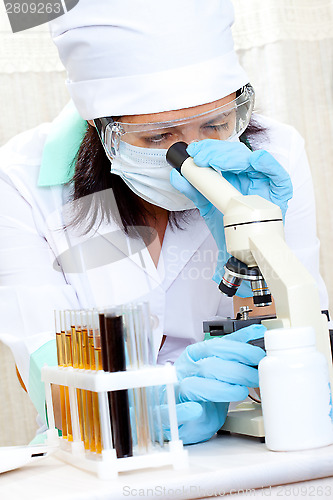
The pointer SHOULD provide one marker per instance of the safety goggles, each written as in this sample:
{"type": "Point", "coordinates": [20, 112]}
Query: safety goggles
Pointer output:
{"type": "Point", "coordinates": [223, 123]}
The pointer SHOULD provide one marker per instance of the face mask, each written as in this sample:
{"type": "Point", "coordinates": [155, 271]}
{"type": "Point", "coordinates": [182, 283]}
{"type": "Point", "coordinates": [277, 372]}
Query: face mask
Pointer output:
{"type": "Point", "coordinates": [147, 173]}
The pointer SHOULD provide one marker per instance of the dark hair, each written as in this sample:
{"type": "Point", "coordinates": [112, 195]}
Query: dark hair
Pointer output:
{"type": "Point", "coordinates": [92, 175]}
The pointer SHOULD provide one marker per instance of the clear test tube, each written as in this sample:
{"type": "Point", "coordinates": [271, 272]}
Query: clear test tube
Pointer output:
{"type": "Point", "coordinates": [143, 392]}
{"type": "Point", "coordinates": [61, 362]}
{"type": "Point", "coordinates": [149, 355]}
{"type": "Point", "coordinates": [132, 362]}
{"type": "Point", "coordinates": [153, 398]}
{"type": "Point", "coordinates": [133, 328]}
{"type": "Point", "coordinates": [131, 358]}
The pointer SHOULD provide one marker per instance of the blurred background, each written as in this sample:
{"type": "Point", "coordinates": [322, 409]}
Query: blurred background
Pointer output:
{"type": "Point", "coordinates": [286, 47]}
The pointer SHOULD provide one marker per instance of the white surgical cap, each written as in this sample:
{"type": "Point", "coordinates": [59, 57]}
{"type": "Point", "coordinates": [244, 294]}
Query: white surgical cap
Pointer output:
{"type": "Point", "coordinates": [126, 57]}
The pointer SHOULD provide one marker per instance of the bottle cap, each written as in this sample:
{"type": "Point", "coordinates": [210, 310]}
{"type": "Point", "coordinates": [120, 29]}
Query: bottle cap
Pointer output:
{"type": "Point", "coordinates": [289, 338]}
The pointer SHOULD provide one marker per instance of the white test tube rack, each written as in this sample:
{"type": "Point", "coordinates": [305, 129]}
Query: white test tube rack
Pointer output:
{"type": "Point", "coordinates": [107, 465]}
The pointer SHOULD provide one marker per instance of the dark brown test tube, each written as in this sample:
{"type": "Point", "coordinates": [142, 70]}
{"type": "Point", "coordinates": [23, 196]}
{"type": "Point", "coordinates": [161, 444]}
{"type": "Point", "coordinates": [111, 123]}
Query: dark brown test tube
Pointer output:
{"type": "Point", "coordinates": [104, 351]}
{"type": "Point", "coordinates": [113, 360]}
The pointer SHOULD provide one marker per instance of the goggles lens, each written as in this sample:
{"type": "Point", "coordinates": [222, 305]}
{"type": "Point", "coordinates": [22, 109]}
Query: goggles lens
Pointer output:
{"type": "Point", "coordinates": [224, 123]}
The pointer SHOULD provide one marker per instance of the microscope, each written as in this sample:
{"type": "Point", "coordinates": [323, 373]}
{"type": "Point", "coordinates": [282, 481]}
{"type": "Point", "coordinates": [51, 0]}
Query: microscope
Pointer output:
{"type": "Point", "coordinates": [254, 237]}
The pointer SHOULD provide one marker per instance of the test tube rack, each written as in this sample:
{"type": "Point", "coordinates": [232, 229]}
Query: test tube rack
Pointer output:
{"type": "Point", "coordinates": [107, 465]}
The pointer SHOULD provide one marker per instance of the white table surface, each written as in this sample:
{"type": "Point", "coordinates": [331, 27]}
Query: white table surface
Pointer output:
{"type": "Point", "coordinates": [225, 464]}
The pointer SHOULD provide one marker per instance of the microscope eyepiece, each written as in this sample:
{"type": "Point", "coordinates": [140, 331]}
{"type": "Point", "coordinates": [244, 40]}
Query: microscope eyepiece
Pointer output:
{"type": "Point", "coordinates": [177, 154]}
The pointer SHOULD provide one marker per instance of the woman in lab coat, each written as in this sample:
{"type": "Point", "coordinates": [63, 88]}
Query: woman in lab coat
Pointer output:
{"type": "Point", "coordinates": [163, 73]}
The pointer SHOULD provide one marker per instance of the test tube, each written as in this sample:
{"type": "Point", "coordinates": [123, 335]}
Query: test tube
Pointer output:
{"type": "Point", "coordinates": [85, 416]}
{"type": "Point", "coordinates": [66, 339]}
{"type": "Point", "coordinates": [61, 362]}
{"type": "Point", "coordinates": [146, 399]}
{"type": "Point", "coordinates": [103, 397]}
{"type": "Point", "coordinates": [132, 350]}
{"type": "Point", "coordinates": [86, 364]}
{"type": "Point", "coordinates": [116, 361]}
{"type": "Point", "coordinates": [71, 390]}
{"type": "Point", "coordinates": [154, 407]}
{"type": "Point", "coordinates": [91, 323]}
{"type": "Point", "coordinates": [139, 332]}
{"type": "Point", "coordinates": [94, 396]}
{"type": "Point", "coordinates": [75, 357]}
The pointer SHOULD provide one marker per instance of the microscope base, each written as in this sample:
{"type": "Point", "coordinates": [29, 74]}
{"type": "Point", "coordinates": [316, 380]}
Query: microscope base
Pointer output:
{"type": "Point", "coordinates": [245, 419]}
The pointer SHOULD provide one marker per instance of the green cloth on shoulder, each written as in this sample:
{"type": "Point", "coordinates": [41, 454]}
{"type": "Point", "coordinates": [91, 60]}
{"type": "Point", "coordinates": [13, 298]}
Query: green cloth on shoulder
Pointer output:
{"type": "Point", "coordinates": [39, 439]}
{"type": "Point", "coordinates": [61, 147]}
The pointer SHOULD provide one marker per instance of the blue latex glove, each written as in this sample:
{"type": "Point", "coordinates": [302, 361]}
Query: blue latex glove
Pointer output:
{"type": "Point", "coordinates": [210, 375]}
{"type": "Point", "coordinates": [250, 172]}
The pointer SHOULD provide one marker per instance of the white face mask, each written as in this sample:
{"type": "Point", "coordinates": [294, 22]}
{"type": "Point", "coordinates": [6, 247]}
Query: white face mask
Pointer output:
{"type": "Point", "coordinates": [147, 173]}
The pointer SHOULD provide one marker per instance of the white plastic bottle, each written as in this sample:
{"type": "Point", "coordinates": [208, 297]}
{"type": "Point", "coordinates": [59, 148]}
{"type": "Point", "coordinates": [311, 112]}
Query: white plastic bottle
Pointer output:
{"type": "Point", "coordinates": [295, 391]}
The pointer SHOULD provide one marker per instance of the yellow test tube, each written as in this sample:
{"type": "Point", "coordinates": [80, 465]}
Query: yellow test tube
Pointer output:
{"type": "Point", "coordinates": [89, 394]}
{"type": "Point", "coordinates": [85, 418]}
{"type": "Point", "coordinates": [75, 357]}
{"type": "Point", "coordinates": [67, 341]}
{"type": "Point", "coordinates": [93, 366]}
{"type": "Point", "coordinates": [61, 362]}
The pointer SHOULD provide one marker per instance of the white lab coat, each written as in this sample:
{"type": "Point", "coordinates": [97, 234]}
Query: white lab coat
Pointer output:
{"type": "Point", "coordinates": [180, 291]}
